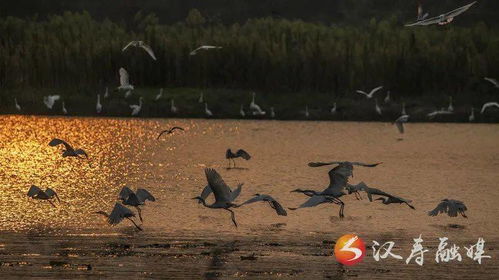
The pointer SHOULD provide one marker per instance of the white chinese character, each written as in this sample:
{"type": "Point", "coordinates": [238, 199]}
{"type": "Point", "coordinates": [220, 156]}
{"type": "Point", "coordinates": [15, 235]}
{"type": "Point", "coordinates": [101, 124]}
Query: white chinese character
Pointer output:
{"type": "Point", "coordinates": [388, 246]}
{"type": "Point", "coordinates": [476, 251]}
{"type": "Point", "coordinates": [417, 249]}
{"type": "Point", "coordinates": [447, 254]}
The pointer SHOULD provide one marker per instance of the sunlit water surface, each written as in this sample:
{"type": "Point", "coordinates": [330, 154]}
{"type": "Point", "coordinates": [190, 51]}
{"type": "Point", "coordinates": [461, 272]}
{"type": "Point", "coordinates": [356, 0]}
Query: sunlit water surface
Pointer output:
{"type": "Point", "coordinates": [185, 240]}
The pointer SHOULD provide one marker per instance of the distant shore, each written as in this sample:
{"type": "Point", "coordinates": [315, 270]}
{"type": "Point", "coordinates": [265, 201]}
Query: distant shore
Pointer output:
{"type": "Point", "coordinates": [226, 104]}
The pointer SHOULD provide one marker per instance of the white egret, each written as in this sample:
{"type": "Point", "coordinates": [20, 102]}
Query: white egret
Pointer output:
{"type": "Point", "coordinates": [241, 111]}
{"type": "Point", "coordinates": [333, 110]}
{"type": "Point", "coordinates": [173, 108]}
{"type": "Point", "coordinates": [140, 44]}
{"type": "Point", "coordinates": [207, 111]}
{"type": "Point", "coordinates": [471, 118]}
{"type": "Point", "coordinates": [254, 107]}
{"type": "Point", "coordinates": [488, 105]}
{"type": "Point", "coordinates": [106, 93]}
{"type": "Point", "coordinates": [307, 113]}
{"type": "Point", "coordinates": [377, 108]}
{"type": "Point", "coordinates": [205, 47]}
{"type": "Point", "coordinates": [159, 95]}
{"type": "Point", "coordinates": [50, 100]}
{"type": "Point", "coordinates": [371, 93]}
{"type": "Point", "coordinates": [125, 81]}
{"type": "Point", "coordinates": [64, 111]}
{"type": "Point", "coordinates": [98, 106]}
{"type": "Point", "coordinates": [450, 108]}
{"type": "Point", "coordinates": [18, 107]}
{"type": "Point", "coordinates": [494, 82]}
{"type": "Point", "coordinates": [272, 112]}
{"type": "Point", "coordinates": [136, 108]}
{"type": "Point", "coordinates": [443, 18]}
{"type": "Point", "coordinates": [400, 122]}
{"type": "Point", "coordinates": [387, 98]}
{"type": "Point", "coordinates": [201, 97]}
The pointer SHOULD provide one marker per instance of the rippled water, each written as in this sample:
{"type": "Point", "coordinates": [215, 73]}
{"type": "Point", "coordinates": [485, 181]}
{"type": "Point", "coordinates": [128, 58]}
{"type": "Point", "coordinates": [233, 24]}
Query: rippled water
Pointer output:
{"type": "Point", "coordinates": [434, 161]}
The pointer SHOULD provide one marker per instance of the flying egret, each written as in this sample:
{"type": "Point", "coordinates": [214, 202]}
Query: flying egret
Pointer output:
{"type": "Point", "coordinates": [135, 199]}
{"type": "Point", "coordinates": [400, 122]}
{"type": "Point", "coordinates": [254, 107]}
{"type": "Point", "coordinates": [493, 81]}
{"type": "Point", "coordinates": [376, 107]}
{"type": "Point", "coordinates": [451, 207]}
{"type": "Point", "coordinates": [124, 81]}
{"type": "Point", "coordinates": [69, 150]}
{"type": "Point", "coordinates": [37, 193]}
{"type": "Point", "coordinates": [387, 198]}
{"type": "Point", "coordinates": [387, 98]}
{"type": "Point", "coordinates": [240, 153]}
{"type": "Point", "coordinates": [224, 196]}
{"type": "Point", "coordinates": [169, 131]}
{"type": "Point", "coordinates": [18, 107]}
{"type": "Point", "coordinates": [119, 213]}
{"type": "Point", "coordinates": [241, 111]}
{"type": "Point", "coordinates": [395, 199]}
{"type": "Point", "coordinates": [471, 118]}
{"type": "Point", "coordinates": [136, 108]}
{"type": "Point", "coordinates": [173, 108]}
{"type": "Point", "coordinates": [371, 93]}
{"type": "Point", "coordinates": [98, 106]}
{"type": "Point", "coordinates": [267, 198]}
{"type": "Point", "coordinates": [487, 105]}
{"type": "Point", "coordinates": [64, 111]}
{"type": "Point", "coordinates": [333, 109]}
{"type": "Point", "coordinates": [159, 95]}
{"type": "Point", "coordinates": [140, 44]}
{"type": "Point", "coordinates": [204, 47]}
{"type": "Point", "coordinates": [50, 100]}
{"type": "Point", "coordinates": [207, 111]}
{"type": "Point", "coordinates": [443, 18]}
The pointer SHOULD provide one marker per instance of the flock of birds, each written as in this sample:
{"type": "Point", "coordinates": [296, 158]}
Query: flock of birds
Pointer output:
{"type": "Point", "coordinates": [225, 196]}
{"type": "Point", "coordinates": [255, 109]}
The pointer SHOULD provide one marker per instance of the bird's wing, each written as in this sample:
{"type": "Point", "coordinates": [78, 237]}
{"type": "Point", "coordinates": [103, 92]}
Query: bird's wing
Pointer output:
{"type": "Point", "coordinates": [319, 164]}
{"type": "Point", "coordinates": [366, 164]}
{"type": "Point", "coordinates": [242, 153]}
{"type": "Point", "coordinates": [263, 197]}
{"type": "Point", "coordinates": [119, 213]}
{"type": "Point", "coordinates": [374, 90]}
{"type": "Point", "coordinates": [362, 92]}
{"type": "Point", "coordinates": [149, 50]}
{"type": "Point", "coordinates": [441, 208]}
{"type": "Point", "coordinates": [128, 45]}
{"type": "Point", "coordinates": [459, 11]}
{"type": "Point", "coordinates": [124, 77]}
{"type": "Point", "coordinates": [57, 141]}
{"type": "Point", "coordinates": [338, 178]}
{"type": "Point", "coordinates": [193, 52]}
{"type": "Point", "coordinates": [81, 152]}
{"type": "Point", "coordinates": [34, 190]}
{"type": "Point", "coordinates": [235, 193]}
{"type": "Point", "coordinates": [161, 133]}
{"type": "Point", "coordinates": [400, 126]}
{"type": "Point", "coordinates": [143, 195]}
{"type": "Point", "coordinates": [176, 127]}
{"type": "Point", "coordinates": [492, 81]}
{"type": "Point", "coordinates": [314, 201]}
{"type": "Point", "coordinates": [206, 192]}
{"type": "Point", "coordinates": [124, 193]}
{"type": "Point", "coordinates": [428, 21]}
{"type": "Point", "coordinates": [217, 185]}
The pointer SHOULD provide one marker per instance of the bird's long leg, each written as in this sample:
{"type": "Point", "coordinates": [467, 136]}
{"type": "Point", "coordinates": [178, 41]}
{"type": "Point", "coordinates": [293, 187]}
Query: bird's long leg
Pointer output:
{"type": "Point", "coordinates": [232, 216]}
{"type": "Point", "coordinates": [133, 222]}
{"type": "Point", "coordinates": [229, 162]}
{"type": "Point", "coordinates": [462, 214]}
{"type": "Point", "coordinates": [341, 207]}
{"type": "Point", "coordinates": [140, 213]}
{"type": "Point", "coordinates": [51, 202]}
{"type": "Point", "coordinates": [234, 161]}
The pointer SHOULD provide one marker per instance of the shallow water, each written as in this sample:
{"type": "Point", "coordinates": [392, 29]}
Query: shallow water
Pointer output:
{"type": "Point", "coordinates": [432, 162]}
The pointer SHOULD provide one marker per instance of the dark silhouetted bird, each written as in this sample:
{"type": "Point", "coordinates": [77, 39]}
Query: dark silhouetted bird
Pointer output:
{"type": "Point", "coordinates": [229, 155]}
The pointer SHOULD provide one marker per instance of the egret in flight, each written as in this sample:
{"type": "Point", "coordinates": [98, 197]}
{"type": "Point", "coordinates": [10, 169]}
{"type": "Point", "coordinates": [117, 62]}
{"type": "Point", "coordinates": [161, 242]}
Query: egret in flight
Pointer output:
{"type": "Point", "coordinates": [69, 151]}
{"type": "Point", "coordinates": [224, 196]}
{"type": "Point", "coordinates": [140, 44]}
{"type": "Point", "coordinates": [399, 122]}
{"type": "Point", "coordinates": [371, 93]}
{"type": "Point", "coordinates": [488, 105]}
{"type": "Point", "coordinates": [229, 155]}
{"type": "Point", "coordinates": [266, 198]}
{"type": "Point", "coordinates": [451, 207]}
{"type": "Point", "coordinates": [443, 18]}
{"type": "Point", "coordinates": [124, 81]}
{"type": "Point", "coordinates": [119, 213]}
{"type": "Point", "coordinates": [135, 199]}
{"type": "Point", "coordinates": [205, 48]}
{"type": "Point", "coordinates": [169, 131]}
{"type": "Point", "coordinates": [493, 81]}
{"type": "Point", "coordinates": [37, 193]}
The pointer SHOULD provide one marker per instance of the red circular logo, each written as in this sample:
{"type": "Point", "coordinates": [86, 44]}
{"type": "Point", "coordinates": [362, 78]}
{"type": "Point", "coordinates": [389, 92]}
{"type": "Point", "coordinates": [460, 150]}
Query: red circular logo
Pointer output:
{"type": "Point", "coordinates": [349, 249]}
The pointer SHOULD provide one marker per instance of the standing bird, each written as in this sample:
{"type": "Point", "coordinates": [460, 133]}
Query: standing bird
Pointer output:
{"type": "Point", "coordinates": [241, 111]}
{"type": "Point", "coordinates": [140, 44]}
{"type": "Point", "coordinates": [377, 108]}
{"type": "Point", "coordinates": [169, 131]}
{"type": "Point", "coordinates": [136, 108]}
{"type": "Point", "coordinates": [494, 82]}
{"type": "Point", "coordinates": [306, 112]}
{"type": "Point", "coordinates": [69, 151]}
{"type": "Point", "coordinates": [223, 194]}
{"type": "Point", "coordinates": [106, 93]}
{"type": "Point", "coordinates": [37, 193]}
{"type": "Point", "coordinates": [240, 153]}
{"type": "Point", "coordinates": [18, 107]}
{"type": "Point", "coordinates": [64, 111]}
{"type": "Point", "coordinates": [173, 108]}
{"type": "Point", "coordinates": [207, 111]}
{"type": "Point", "coordinates": [159, 95]}
{"type": "Point", "coordinates": [50, 100]}
{"type": "Point", "coordinates": [125, 81]}
{"type": "Point", "coordinates": [254, 108]}
{"type": "Point", "coordinates": [135, 199]}
{"type": "Point", "coordinates": [471, 118]}
{"type": "Point", "coordinates": [272, 202]}
{"type": "Point", "coordinates": [119, 213]}
{"type": "Point", "coordinates": [443, 18]}
{"type": "Point", "coordinates": [205, 47]}
{"type": "Point", "coordinates": [387, 98]}
{"type": "Point", "coordinates": [371, 93]}
{"type": "Point", "coordinates": [451, 207]}
{"type": "Point", "coordinates": [98, 106]}
{"type": "Point", "coordinates": [201, 98]}
{"type": "Point", "coordinates": [487, 105]}
{"type": "Point", "coordinates": [400, 122]}
{"type": "Point", "coordinates": [272, 112]}
{"type": "Point", "coordinates": [333, 110]}
{"type": "Point", "coordinates": [450, 108]}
